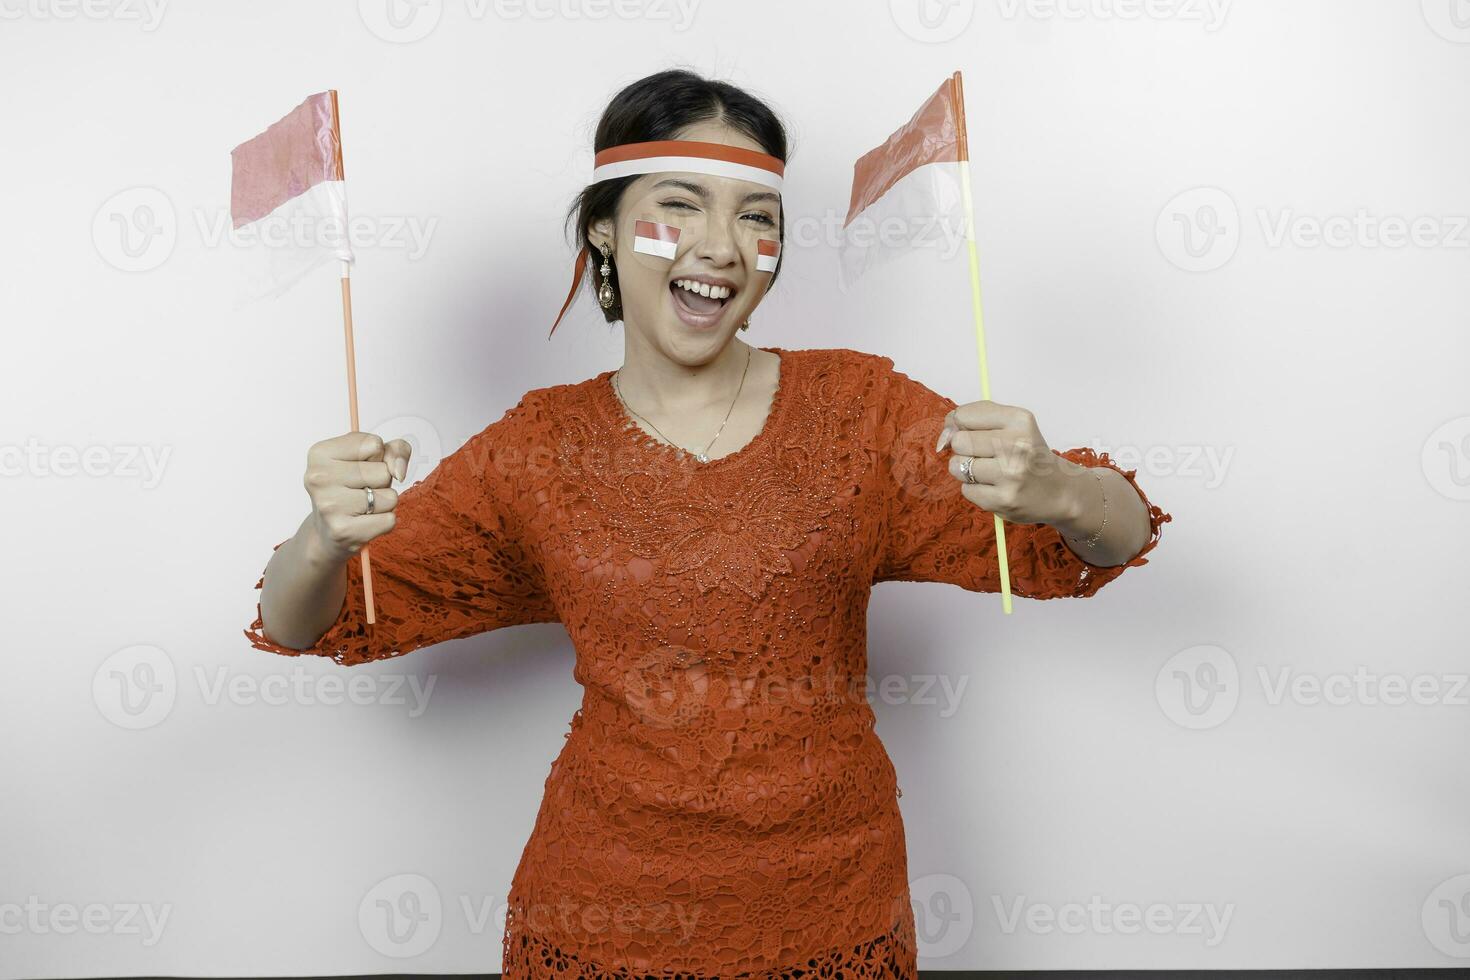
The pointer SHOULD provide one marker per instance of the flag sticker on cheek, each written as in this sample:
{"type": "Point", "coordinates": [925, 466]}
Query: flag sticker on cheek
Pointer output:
{"type": "Point", "coordinates": [768, 250]}
{"type": "Point", "coordinates": [652, 238]}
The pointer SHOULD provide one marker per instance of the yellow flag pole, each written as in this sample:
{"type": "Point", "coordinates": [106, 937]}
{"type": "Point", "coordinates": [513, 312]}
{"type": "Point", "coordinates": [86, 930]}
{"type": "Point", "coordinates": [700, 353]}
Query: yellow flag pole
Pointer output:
{"type": "Point", "coordinates": [958, 90]}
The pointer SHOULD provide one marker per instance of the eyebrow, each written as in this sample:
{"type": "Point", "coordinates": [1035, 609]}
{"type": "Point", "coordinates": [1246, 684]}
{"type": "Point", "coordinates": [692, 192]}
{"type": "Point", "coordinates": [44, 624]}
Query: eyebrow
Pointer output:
{"type": "Point", "coordinates": [701, 191]}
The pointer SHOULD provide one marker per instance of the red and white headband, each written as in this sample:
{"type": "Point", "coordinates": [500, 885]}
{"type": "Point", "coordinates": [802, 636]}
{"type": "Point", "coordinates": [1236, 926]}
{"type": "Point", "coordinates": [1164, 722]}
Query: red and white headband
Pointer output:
{"type": "Point", "coordinates": [693, 156]}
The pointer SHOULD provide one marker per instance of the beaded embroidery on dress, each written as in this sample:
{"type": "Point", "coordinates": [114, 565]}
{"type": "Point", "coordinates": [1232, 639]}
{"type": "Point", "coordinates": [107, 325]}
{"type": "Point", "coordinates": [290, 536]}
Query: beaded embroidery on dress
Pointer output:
{"type": "Point", "coordinates": [722, 806]}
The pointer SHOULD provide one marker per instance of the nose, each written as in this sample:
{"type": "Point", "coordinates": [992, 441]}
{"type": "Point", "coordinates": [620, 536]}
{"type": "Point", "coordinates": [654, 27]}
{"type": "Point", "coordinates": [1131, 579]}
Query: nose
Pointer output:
{"type": "Point", "coordinates": [718, 247]}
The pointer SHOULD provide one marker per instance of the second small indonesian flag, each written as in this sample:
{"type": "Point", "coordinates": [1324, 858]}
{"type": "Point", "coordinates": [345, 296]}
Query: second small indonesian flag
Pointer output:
{"type": "Point", "coordinates": [768, 251]}
{"type": "Point", "coordinates": [903, 187]}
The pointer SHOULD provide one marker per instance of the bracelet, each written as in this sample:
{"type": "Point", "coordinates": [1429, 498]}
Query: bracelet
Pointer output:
{"type": "Point", "coordinates": [1092, 541]}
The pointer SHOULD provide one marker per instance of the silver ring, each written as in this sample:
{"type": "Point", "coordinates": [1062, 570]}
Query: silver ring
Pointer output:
{"type": "Point", "coordinates": [965, 463]}
{"type": "Point", "coordinates": [370, 500]}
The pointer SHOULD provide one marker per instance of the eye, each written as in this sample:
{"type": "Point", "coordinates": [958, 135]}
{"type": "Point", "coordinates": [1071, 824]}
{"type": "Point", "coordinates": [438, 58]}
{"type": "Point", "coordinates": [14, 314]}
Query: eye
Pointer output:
{"type": "Point", "coordinates": [676, 204]}
{"type": "Point", "coordinates": [762, 218]}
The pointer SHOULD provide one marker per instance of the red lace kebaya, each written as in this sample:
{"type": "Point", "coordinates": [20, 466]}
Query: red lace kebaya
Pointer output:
{"type": "Point", "coordinates": [722, 806]}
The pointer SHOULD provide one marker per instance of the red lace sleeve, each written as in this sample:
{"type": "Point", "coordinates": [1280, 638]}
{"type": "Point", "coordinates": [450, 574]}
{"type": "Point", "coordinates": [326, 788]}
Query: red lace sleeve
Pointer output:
{"type": "Point", "coordinates": [453, 566]}
{"type": "Point", "coordinates": [933, 533]}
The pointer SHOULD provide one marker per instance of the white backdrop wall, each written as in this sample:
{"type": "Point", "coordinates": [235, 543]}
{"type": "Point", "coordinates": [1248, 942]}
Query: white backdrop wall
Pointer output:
{"type": "Point", "coordinates": [1225, 241]}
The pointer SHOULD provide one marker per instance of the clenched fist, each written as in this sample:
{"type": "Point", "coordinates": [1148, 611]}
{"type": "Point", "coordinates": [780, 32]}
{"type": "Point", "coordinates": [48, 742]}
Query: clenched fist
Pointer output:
{"type": "Point", "coordinates": [338, 472]}
{"type": "Point", "coordinates": [1015, 473]}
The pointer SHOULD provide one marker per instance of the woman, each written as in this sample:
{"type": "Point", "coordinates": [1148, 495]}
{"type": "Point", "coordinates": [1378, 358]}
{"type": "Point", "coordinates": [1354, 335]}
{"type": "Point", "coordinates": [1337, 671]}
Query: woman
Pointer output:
{"type": "Point", "coordinates": [707, 521]}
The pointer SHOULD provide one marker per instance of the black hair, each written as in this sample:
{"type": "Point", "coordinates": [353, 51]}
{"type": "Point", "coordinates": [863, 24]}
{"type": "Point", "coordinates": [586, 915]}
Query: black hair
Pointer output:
{"type": "Point", "coordinates": [658, 107]}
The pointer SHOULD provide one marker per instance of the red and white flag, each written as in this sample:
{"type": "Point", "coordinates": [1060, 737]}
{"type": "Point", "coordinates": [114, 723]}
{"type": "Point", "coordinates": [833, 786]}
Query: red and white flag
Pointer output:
{"type": "Point", "coordinates": [907, 193]}
{"type": "Point", "coordinates": [767, 254]}
{"type": "Point", "coordinates": [653, 238]}
{"type": "Point", "coordinates": [288, 202]}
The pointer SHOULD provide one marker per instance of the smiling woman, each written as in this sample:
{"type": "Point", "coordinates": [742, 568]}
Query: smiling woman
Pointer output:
{"type": "Point", "coordinates": [708, 522]}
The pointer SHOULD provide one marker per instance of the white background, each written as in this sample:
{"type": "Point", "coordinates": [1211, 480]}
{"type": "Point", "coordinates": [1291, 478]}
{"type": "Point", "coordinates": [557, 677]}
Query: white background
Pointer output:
{"type": "Point", "coordinates": [1299, 407]}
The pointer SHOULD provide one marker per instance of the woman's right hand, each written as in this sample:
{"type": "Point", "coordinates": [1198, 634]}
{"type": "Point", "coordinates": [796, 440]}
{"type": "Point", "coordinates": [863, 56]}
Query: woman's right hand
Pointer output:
{"type": "Point", "coordinates": [337, 471]}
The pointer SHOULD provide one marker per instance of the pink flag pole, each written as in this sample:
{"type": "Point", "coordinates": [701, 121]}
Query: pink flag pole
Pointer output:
{"type": "Point", "coordinates": [367, 568]}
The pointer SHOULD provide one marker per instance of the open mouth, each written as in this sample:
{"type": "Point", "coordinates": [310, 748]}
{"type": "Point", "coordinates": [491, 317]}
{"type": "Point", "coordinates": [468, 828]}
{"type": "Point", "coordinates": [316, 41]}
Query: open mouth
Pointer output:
{"type": "Point", "coordinates": [700, 299]}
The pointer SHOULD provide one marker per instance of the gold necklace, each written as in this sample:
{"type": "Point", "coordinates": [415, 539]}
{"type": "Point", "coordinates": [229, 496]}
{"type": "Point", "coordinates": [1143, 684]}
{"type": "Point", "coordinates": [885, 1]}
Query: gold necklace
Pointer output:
{"type": "Point", "coordinates": [703, 457]}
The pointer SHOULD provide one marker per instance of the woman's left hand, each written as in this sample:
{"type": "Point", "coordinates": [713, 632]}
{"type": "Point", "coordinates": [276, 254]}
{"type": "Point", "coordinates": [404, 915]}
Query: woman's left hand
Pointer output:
{"type": "Point", "coordinates": [1016, 474]}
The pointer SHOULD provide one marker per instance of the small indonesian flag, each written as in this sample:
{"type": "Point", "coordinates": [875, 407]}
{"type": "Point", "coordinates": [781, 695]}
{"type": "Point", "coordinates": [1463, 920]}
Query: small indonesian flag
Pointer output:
{"type": "Point", "coordinates": [768, 251]}
{"type": "Point", "coordinates": [288, 202]}
{"type": "Point", "coordinates": [903, 188]}
{"type": "Point", "coordinates": [652, 238]}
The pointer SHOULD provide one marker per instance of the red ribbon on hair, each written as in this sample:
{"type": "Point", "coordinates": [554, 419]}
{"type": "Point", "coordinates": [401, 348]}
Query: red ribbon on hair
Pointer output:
{"type": "Point", "coordinates": [577, 271]}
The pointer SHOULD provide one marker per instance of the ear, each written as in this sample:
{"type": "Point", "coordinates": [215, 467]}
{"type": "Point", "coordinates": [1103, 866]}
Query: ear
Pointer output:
{"type": "Point", "coordinates": [602, 230]}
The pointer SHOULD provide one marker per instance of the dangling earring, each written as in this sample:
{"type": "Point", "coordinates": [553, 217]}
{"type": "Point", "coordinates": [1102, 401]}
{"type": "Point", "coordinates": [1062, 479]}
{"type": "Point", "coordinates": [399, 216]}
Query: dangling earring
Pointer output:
{"type": "Point", "coordinates": [605, 295]}
{"type": "Point", "coordinates": [746, 324]}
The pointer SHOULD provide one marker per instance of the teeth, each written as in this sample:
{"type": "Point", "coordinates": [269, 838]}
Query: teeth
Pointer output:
{"type": "Point", "coordinates": [703, 288]}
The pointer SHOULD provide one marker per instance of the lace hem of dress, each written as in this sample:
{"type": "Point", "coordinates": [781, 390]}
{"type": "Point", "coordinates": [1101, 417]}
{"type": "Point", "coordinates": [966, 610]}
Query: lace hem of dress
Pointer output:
{"type": "Point", "coordinates": [890, 956]}
{"type": "Point", "coordinates": [346, 641]}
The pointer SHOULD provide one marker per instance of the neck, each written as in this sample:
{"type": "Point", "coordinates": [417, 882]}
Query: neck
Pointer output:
{"type": "Point", "coordinates": [654, 383]}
